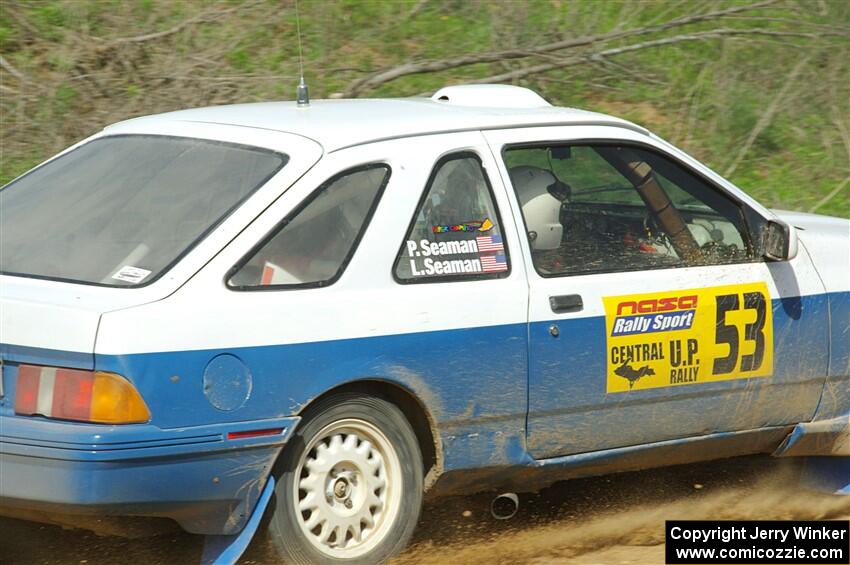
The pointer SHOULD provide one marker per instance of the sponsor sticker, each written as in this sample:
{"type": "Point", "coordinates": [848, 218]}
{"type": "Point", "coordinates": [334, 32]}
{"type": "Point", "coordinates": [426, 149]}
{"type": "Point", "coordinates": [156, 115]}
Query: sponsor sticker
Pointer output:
{"type": "Point", "coordinates": [129, 274]}
{"type": "Point", "coordinates": [474, 226]}
{"type": "Point", "coordinates": [688, 337]}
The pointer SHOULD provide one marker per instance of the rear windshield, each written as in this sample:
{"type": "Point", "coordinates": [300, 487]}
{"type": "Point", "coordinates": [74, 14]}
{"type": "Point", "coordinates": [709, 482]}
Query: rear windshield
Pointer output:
{"type": "Point", "coordinates": [120, 210]}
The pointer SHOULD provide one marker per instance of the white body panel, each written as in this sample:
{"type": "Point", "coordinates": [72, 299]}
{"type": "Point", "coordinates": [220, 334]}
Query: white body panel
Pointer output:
{"type": "Point", "coordinates": [337, 124]}
{"type": "Point", "coordinates": [36, 314]}
{"type": "Point", "coordinates": [364, 302]}
{"type": "Point", "coordinates": [828, 242]}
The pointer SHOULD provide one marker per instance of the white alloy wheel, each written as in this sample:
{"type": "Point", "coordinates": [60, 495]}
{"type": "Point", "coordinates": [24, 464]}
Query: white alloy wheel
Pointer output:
{"type": "Point", "coordinates": [349, 484]}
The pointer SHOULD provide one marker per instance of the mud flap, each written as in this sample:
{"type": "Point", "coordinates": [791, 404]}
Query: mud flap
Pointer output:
{"type": "Point", "coordinates": [824, 437]}
{"type": "Point", "coordinates": [827, 474]}
{"type": "Point", "coordinates": [226, 550]}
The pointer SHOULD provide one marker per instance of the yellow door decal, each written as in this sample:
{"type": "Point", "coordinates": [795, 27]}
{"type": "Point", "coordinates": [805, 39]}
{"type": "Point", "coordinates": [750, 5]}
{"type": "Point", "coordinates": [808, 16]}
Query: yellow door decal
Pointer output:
{"type": "Point", "coordinates": [688, 337]}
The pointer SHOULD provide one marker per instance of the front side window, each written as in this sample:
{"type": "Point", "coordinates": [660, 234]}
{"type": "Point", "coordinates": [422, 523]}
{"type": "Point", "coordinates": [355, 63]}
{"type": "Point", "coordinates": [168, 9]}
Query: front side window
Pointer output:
{"type": "Point", "coordinates": [456, 233]}
{"type": "Point", "coordinates": [313, 245]}
{"type": "Point", "coordinates": [603, 208]}
{"type": "Point", "coordinates": [120, 210]}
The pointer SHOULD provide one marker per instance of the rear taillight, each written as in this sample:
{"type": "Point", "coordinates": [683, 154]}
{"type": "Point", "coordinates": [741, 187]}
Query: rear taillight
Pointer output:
{"type": "Point", "coordinates": [71, 394]}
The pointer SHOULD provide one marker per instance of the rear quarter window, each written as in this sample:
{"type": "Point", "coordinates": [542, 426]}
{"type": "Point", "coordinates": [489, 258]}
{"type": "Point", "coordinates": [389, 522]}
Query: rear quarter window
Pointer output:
{"type": "Point", "coordinates": [312, 246]}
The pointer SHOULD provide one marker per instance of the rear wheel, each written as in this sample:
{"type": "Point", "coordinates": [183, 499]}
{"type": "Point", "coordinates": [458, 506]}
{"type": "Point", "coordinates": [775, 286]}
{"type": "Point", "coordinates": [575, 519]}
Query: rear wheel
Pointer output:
{"type": "Point", "coordinates": [350, 489]}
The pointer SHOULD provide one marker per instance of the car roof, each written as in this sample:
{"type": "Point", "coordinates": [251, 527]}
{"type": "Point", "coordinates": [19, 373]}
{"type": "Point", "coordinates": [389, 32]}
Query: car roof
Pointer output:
{"type": "Point", "coordinates": [337, 124]}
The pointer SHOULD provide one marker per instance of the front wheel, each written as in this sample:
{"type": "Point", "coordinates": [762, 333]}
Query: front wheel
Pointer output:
{"type": "Point", "coordinates": [350, 489]}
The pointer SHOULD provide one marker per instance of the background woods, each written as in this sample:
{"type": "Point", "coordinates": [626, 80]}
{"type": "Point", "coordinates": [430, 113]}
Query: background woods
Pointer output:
{"type": "Point", "coordinates": [758, 90]}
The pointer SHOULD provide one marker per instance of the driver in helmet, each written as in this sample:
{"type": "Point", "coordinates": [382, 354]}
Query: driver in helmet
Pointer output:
{"type": "Point", "coordinates": [536, 189]}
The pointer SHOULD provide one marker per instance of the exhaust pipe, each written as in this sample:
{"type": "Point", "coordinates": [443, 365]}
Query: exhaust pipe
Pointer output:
{"type": "Point", "coordinates": [504, 506]}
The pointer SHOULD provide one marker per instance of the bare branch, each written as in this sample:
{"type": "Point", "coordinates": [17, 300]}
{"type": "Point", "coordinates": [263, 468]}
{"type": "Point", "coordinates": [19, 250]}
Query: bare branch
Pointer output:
{"type": "Point", "coordinates": [768, 115]}
{"type": "Point", "coordinates": [204, 17]}
{"type": "Point", "coordinates": [21, 20]}
{"type": "Point", "coordinates": [580, 59]}
{"type": "Point", "coordinates": [830, 196]}
{"type": "Point", "coordinates": [387, 75]}
{"type": "Point", "coordinates": [795, 23]}
{"type": "Point", "coordinates": [843, 131]}
{"type": "Point", "coordinates": [623, 71]}
{"type": "Point", "coordinates": [12, 70]}
{"type": "Point", "coordinates": [416, 9]}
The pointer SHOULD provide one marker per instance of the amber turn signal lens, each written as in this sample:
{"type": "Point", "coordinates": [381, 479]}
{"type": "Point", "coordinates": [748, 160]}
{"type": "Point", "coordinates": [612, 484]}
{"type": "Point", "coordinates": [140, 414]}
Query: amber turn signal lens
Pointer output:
{"type": "Point", "coordinates": [115, 401]}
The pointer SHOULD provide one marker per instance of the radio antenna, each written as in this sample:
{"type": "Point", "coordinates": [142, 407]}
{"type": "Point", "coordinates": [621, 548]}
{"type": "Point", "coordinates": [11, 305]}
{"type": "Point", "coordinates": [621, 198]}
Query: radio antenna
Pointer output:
{"type": "Point", "coordinates": [302, 93]}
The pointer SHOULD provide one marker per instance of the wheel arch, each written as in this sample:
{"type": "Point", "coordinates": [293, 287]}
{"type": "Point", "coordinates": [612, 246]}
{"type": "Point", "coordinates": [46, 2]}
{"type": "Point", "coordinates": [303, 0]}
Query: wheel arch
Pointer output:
{"type": "Point", "coordinates": [412, 407]}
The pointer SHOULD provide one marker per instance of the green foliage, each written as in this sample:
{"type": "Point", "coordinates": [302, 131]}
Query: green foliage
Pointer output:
{"type": "Point", "coordinates": [712, 96]}
{"type": "Point", "coordinates": [7, 35]}
{"type": "Point", "coordinates": [145, 6]}
{"type": "Point", "coordinates": [11, 167]}
{"type": "Point", "coordinates": [240, 59]}
{"type": "Point", "coordinates": [49, 19]}
{"type": "Point", "coordinates": [64, 97]}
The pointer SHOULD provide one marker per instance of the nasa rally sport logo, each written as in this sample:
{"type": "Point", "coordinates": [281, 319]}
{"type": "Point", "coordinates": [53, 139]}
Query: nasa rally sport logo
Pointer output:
{"type": "Point", "coordinates": [667, 313]}
{"type": "Point", "coordinates": [655, 315]}
{"type": "Point", "coordinates": [688, 337]}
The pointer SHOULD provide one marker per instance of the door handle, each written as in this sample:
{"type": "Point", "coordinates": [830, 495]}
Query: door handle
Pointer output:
{"type": "Point", "coordinates": [566, 303]}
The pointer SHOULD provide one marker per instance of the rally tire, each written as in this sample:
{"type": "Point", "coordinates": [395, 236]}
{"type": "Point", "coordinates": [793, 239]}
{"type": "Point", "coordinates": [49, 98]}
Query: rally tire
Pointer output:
{"type": "Point", "coordinates": [349, 484]}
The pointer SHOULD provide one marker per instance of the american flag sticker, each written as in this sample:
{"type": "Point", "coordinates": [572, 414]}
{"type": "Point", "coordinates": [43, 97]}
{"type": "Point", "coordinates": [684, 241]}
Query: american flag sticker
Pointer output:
{"type": "Point", "coordinates": [489, 243]}
{"type": "Point", "coordinates": [494, 263]}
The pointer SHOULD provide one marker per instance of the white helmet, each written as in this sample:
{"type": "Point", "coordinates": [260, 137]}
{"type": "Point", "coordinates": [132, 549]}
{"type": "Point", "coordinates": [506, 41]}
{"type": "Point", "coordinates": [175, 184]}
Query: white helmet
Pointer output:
{"type": "Point", "coordinates": [540, 209]}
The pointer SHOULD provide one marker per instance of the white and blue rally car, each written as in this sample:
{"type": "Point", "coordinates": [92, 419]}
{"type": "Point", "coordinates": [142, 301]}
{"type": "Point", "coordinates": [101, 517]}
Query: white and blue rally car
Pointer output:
{"type": "Point", "coordinates": [322, 311]}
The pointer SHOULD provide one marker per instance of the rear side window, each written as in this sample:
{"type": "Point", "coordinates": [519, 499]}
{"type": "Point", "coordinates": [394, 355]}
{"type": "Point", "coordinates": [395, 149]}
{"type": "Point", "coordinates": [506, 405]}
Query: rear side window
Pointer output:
{"type": "Point", "coordinates": [312, 246]}
{"type": "Point", "coordinates": [456, 233]}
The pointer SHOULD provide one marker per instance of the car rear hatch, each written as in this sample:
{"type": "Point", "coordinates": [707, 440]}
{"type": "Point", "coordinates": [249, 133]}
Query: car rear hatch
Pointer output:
{"type": "Point", "coordinates": [77, 245]}
{"type": "Point", "coordinates": [53, 323]}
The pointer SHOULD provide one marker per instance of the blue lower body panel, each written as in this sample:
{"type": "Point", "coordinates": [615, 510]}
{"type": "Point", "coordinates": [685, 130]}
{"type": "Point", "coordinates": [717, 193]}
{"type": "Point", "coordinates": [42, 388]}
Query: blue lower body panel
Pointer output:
{"type": "Point", "coordinates": [198, 477]}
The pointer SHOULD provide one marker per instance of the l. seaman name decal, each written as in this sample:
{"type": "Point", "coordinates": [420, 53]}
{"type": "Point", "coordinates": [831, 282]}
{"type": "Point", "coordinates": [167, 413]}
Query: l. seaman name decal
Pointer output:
{"type": "Point", "coordinates": [483, 254]}
{"type": "Point", "coordinates": [688, 337]}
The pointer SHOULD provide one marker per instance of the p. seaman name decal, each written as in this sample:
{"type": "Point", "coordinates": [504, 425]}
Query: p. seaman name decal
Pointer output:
{"type": "Point", "coordinates": [483, 254]}
{"type": "Point", "coordinates": [688, 337]}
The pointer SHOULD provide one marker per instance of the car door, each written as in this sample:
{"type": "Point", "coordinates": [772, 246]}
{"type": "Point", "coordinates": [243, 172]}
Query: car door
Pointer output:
{"type": "Point", "coordinates": [652, 315]}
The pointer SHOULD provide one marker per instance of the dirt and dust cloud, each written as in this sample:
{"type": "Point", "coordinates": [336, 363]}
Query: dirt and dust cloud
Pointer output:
{"type": "Point", "coordinates": [611, 520]}
{"type": "Point", "coordinates": [632, 530]}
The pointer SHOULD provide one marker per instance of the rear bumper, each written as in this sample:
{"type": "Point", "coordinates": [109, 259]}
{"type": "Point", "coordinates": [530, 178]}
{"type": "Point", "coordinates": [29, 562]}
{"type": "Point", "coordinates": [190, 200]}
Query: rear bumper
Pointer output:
{"type": "Point", "coordinates": [197, 476]}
